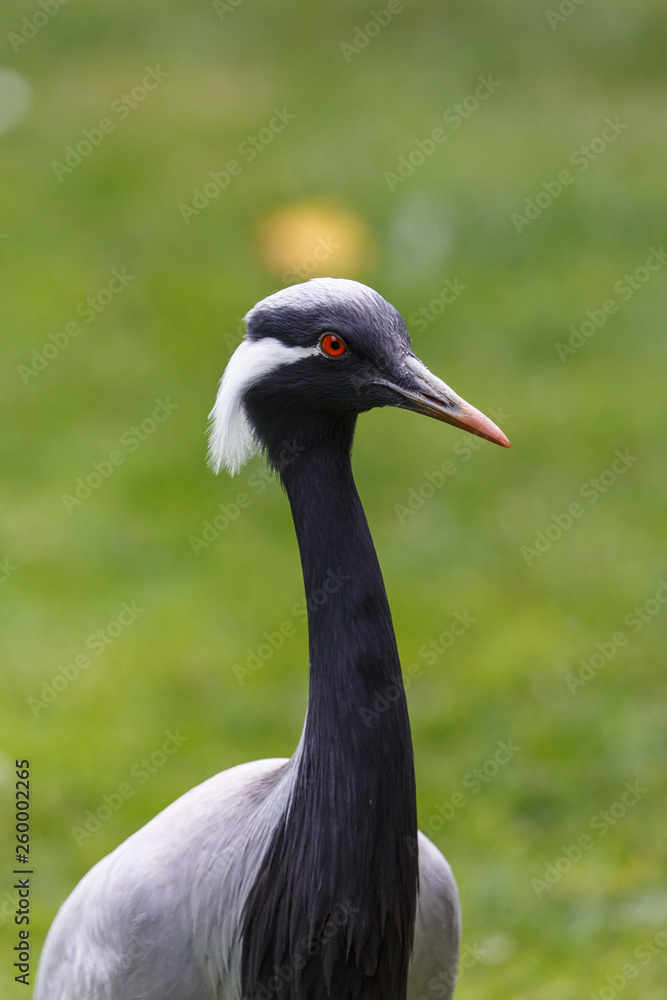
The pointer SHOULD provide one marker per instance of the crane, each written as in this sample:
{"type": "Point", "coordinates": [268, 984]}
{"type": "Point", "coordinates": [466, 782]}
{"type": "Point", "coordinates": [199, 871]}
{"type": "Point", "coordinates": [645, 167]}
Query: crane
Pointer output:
{"type": "Point", "coordinates": [303, 878]}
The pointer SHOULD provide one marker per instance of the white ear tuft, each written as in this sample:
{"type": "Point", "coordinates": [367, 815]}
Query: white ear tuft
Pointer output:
{"type": "Point", "coordinates": [232, 440]}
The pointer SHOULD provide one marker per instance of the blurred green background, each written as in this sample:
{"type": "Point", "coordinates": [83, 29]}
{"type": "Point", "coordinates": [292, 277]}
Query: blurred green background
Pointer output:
{"type": "Point", "coordinates": [535, 924]}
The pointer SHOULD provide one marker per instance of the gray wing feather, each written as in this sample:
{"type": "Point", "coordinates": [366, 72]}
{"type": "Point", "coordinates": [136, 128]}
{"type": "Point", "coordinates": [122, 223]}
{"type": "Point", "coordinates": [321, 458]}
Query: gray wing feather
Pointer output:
{"type": "Point", "coordinates": [157, 918]}
{"type": "Point", "coordinates": [438, 928]}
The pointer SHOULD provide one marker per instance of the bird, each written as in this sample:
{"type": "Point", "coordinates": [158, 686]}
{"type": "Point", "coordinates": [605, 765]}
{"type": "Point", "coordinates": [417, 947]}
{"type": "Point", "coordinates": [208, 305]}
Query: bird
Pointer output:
{"type": "Point", "coordinates": [301, 878]}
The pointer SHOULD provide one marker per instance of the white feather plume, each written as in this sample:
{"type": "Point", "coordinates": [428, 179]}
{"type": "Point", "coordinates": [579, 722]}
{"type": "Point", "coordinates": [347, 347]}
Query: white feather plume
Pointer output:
{"type": "Point", "coordinates": [232, 440]}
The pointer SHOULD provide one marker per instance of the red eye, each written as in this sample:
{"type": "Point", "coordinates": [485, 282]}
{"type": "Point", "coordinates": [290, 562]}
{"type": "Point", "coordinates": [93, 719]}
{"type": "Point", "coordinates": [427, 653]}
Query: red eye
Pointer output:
{"type": "Point", "coordinates": [333, 345]}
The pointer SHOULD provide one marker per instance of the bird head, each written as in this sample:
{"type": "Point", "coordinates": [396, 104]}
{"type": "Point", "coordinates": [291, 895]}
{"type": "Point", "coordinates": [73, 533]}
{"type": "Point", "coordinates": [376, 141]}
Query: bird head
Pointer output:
{"type": "Point", "coordinates": [316, 355]}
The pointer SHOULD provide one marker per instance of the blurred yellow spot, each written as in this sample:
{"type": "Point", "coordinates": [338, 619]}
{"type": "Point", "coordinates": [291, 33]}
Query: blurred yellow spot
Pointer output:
{"type": "Point", "coordinates": [315, 239]}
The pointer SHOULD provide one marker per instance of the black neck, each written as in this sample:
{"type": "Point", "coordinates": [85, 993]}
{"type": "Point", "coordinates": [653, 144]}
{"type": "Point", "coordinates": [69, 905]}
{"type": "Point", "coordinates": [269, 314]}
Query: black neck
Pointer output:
{"type": "Point", "coordinates": [348, 843]}
{"type": "Point", "coordinates": [353, 655]}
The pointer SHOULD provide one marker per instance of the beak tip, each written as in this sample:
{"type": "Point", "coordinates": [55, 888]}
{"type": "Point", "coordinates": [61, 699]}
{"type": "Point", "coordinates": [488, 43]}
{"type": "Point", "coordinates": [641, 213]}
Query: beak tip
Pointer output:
{"type": "Point", "coordinates": [477, 423]}
{"type": "Point", "coordinates": [433, 398]}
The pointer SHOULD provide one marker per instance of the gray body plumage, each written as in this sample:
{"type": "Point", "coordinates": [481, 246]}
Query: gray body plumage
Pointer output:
{"type": "Point", "coordinates": [159, 918]}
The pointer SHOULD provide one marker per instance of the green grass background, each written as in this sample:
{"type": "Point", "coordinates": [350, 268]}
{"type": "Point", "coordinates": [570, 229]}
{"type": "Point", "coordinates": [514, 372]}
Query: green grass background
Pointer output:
{"type": "Point", "coordinates": [164, 337]}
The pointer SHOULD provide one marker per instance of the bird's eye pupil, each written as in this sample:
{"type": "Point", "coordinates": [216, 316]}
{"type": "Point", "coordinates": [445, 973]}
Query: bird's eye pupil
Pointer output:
{"type": "Point", "coordinates": [332, 345]}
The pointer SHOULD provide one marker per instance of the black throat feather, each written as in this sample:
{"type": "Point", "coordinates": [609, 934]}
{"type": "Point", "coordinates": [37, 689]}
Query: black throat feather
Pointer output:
{"type": "Point", "coordinates": [331, 915]}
